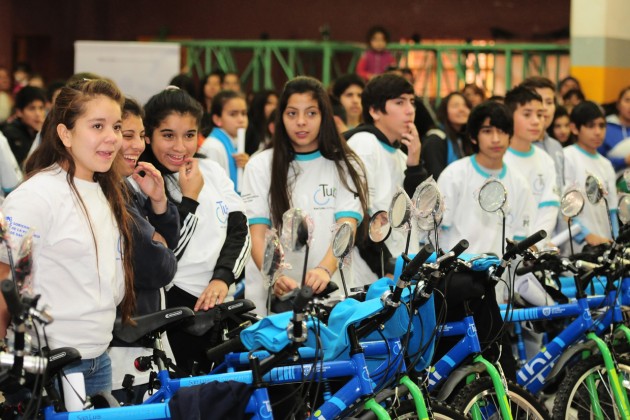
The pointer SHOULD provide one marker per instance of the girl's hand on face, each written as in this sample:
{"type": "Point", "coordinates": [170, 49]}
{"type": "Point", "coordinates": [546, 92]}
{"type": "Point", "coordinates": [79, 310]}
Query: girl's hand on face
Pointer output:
{"type": "Point", "coordinates": [411, 139]}
{"type": "Point", "coordinates": [284, 285]}
{"type": "Point", "coordinates": [151, 184]}
{"type": "Point", "coordinates": [241, 159]}
{"type": "Point", "coordinates": [190, 179]}
{"type": "Point", "coordinates": [214, 294]}
{"type": "Point", "coordinates": [318, 279]}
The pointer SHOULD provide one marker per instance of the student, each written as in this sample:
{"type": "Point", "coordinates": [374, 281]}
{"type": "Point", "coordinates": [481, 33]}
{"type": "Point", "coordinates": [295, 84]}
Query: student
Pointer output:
{"type": "Point", "coordinates": [209, 86]}
{"type": "Point", "coordinates": [544, 87]}
{"type": "Point", "coordinates": [30, 109]}
{"type": "Point", "coordinates": [388, 112]}
{"type": "Point", "coordinates": [589, 127]}
{"type": "Point", "coordinates": [82, 247]}
{"type": "Point", "coordinates": [567, 84]}
{"type": "Point", "coordinates": [6, 98]}
{"type": "Point", "coordinates": [348, 89]}
{"type": "Point", "coordinates": [155, 230]}
{"type": "Point", "coordinates": [617, 131]}
{"type": "Point", "coordinates": [441, 147]}
{"type": "Point", "coordinates": [474, 94]}
{"type": "Point", "coordinates": [231, 81]}
{"type": "Point", "coordinates": [310, 167]}
{"type": "Point", "coordinates": [531, 162]}
{"type": "Point", "coordinates": [229, 114]}
{"type": "Point", "coordinates": [560, 127]}
{"type": "Point", "coordinates": [10, 173]}
{"type": "Point", "coordinates": [214, 242]}
{"type": "Point", "coordinates": [262, 105]}
{"type": "Point", "coordinates": [490, 127]}
{"type": "Point", "coordinates": [376, 59]}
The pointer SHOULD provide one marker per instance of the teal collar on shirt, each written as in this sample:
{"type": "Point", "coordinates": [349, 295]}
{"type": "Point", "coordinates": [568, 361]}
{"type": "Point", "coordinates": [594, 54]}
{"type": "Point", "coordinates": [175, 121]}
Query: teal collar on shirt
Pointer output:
{"type": "Point", "coordinates": [529, 153]}
{"type": "Point", "coordinates": [304, 157]}
{"type": "Point", "coordinates": [482, 171]}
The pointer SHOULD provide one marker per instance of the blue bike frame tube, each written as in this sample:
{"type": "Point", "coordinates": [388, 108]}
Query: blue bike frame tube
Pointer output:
{"type": "Point", "coordinates": [532, 374]}
{"type": "Point", "coordinates": [468, 345]}
{"type": "Point", "coordinates": [143, 411]}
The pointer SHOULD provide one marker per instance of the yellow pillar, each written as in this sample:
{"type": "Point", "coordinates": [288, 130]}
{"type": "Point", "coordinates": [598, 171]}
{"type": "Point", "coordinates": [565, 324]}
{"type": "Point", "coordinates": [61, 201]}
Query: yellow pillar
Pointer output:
{"type": "Point", "coordinates": [600, 47]}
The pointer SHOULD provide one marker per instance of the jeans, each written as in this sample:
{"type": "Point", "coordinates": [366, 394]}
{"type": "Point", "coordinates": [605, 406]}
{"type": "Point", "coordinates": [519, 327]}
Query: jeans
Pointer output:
{"type": "Point", "coordinates": [97, 373]}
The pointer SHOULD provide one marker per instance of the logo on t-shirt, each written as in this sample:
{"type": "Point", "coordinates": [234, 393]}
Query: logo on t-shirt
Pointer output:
{"type": "Point", "coordinates": [539, 184]}
{"type": "Point", "coordinates": [222, 211]}
{"type": "Point", "coordinates": [323, 194]}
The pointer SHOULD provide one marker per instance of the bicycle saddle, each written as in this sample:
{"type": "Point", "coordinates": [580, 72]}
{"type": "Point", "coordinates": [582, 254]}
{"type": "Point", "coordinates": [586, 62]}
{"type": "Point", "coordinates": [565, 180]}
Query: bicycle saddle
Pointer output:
{"type": "Point", "coordinates": [60, 358]}
{"type": "Point", "coordinates": [156, 322]}
{"type": "Point", "coordinates": [205, 320]}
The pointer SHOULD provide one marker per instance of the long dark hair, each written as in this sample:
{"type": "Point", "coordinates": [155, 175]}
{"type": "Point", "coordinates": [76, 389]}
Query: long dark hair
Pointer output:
{"type": "Point", "coordinates": [332, 146]}
{"type": "Point", "coordinates": [257, 127]}
{"type": "Point", "coordinates": [451, 132]}
{"type": "Point", "coordinates": [169, 101]}
{"type": "Point", "coordinates": [68, 107]}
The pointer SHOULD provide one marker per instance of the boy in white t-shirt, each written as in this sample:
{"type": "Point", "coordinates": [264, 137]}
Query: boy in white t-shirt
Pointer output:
{"type": "Point", "coordinates": [388, 112]}
{"type": "Point", "coordinates": [581, 159]}
{"type": "Point", "coordinates": [536, 166]}
{"type": "Point", "coordinates": [490, 128]}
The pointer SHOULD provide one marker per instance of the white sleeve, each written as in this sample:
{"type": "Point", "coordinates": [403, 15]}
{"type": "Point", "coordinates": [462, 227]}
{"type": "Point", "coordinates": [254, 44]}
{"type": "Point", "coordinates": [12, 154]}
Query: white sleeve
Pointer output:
{"type": "Point", "coordinates": [10, 173]}
{"type": "Point", "coordinates": [570, 172]}
{"type": "Point", "coordinates": [549, 206]}
{"type": "Point", "coordinates": [25, 210]}
{"type": "Point", "coordinates": [450, 193]}
{"type": "Point", "coordinates": [256, 182]}
{"type": "Point", "coordinates": [347, 203]}
{"type": "Point", "coordinates": [371, 162]}
{"type": "Point", "coordinates": [213, 149]}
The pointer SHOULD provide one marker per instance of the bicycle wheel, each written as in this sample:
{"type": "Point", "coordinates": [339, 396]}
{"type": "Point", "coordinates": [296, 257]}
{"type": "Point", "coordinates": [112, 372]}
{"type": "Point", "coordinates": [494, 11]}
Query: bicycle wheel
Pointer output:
{"type": "Point", "coordinates": [481, 393]}
{"type": "Point", "coordinates": [407, 410]}
{"type": "Point", "coordinates": [573, 400]}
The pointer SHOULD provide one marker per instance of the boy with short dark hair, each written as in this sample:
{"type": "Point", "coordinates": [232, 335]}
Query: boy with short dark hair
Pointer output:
{"type": "Point", "coordinates": [581, 159]}
{"type": "Point", "coordinates": [30, 109]}
{"type": "Point", "coordinates": [533, 163]}
{"type": "Point", "coordinates": [388, 115]}
{"type": "Point", "coordinates": [546, 89]}
{"type": "Point", "coordinates": [490, 128]}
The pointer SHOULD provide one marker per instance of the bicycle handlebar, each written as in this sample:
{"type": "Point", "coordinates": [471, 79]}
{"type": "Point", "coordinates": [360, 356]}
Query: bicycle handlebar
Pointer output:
{"type": "Point", "coordinates": [14, 303]}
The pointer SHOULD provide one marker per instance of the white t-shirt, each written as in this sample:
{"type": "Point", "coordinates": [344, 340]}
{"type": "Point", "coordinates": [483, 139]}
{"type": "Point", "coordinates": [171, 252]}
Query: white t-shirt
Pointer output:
{"type": "Point", "coordinates": [81, 284]}
{"type": "Point", "coordinates": [385, 167]}
{"type": "Point", "coordinates": [205, 239]}
{"type": "Point", "coordinates": [214, 150]}
{"type": "Point", "coordinates": [537, 167]}
{"type": "Point", "coordinates": [316, 189]}
{"type": "Point", "coordinates": [10, 173]}
{"type": "Point", "coordinates": [460, 183]}
{"type": "Point", "coordinates": [578, 164]}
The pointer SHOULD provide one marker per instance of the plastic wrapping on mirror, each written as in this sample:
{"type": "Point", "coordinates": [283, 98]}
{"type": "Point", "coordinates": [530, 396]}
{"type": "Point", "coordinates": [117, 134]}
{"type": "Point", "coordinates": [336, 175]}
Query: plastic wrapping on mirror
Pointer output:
{"type": "Point", "coordinates": [429, 205]}
{"type": "Point", "coordinates": [297, 229]}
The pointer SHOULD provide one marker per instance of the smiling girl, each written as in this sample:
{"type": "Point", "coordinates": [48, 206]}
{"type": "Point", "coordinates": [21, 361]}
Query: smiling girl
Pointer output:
{"type": "Point", "coordinates": [73, 199]}
{"type": "Point", "coordinates": [214, 242]}
{"type": "Point", "coordinates": [310, 167]}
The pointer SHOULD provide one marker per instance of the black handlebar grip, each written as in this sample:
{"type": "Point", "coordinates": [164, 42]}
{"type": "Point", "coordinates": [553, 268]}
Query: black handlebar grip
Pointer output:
{"type": "Point", "coordinates": [525, 243]}
{"type": "Point", "coordinates": [302, 299]}
{"type": "Point", "coordinates": [460, 247]}
{"type": "Point", "coordinates": [414, 265]}
{"type": "Point", "coordinates": [14, 304]}
{"type": "Point", "coordinates": [217, 353]}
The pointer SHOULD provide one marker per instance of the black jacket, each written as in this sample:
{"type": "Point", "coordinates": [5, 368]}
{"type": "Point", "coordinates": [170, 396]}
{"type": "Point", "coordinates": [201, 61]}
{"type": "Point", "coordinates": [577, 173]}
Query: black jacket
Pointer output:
{"type": "Point", "coordinates": [154, 265]}
{"type": "Point", "coordinates": [20, 138]}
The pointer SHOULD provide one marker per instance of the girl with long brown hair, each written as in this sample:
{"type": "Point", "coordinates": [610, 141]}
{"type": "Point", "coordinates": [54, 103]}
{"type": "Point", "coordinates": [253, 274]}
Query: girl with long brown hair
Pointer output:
{"type": "Point", "coordinates": [73, 200]}
{"type": "Point", "coordinates": [309, 166]}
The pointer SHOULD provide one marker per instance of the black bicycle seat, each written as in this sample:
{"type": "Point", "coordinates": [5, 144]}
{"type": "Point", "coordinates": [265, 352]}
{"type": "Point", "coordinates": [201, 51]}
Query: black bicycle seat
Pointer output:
{"type": "Point", "coordinates": [154, 323]}
{"type": "Point", "coordinates": [60, 358]}
{"type": "Point", "coordinates": [204, 321]}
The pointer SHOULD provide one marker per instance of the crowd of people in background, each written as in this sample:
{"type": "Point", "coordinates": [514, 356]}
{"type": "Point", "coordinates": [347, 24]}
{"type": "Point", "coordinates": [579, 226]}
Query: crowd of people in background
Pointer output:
{"type": "Point", "coordinates": [76, 153]}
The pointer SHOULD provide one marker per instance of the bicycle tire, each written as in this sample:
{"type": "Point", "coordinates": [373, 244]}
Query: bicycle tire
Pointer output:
{"type": "Point", "coordinates": [522, 402]}
{"type": "Point", "coordinates": [407, 410]}
{"type": "Point", "coordinates": [573, 399]}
